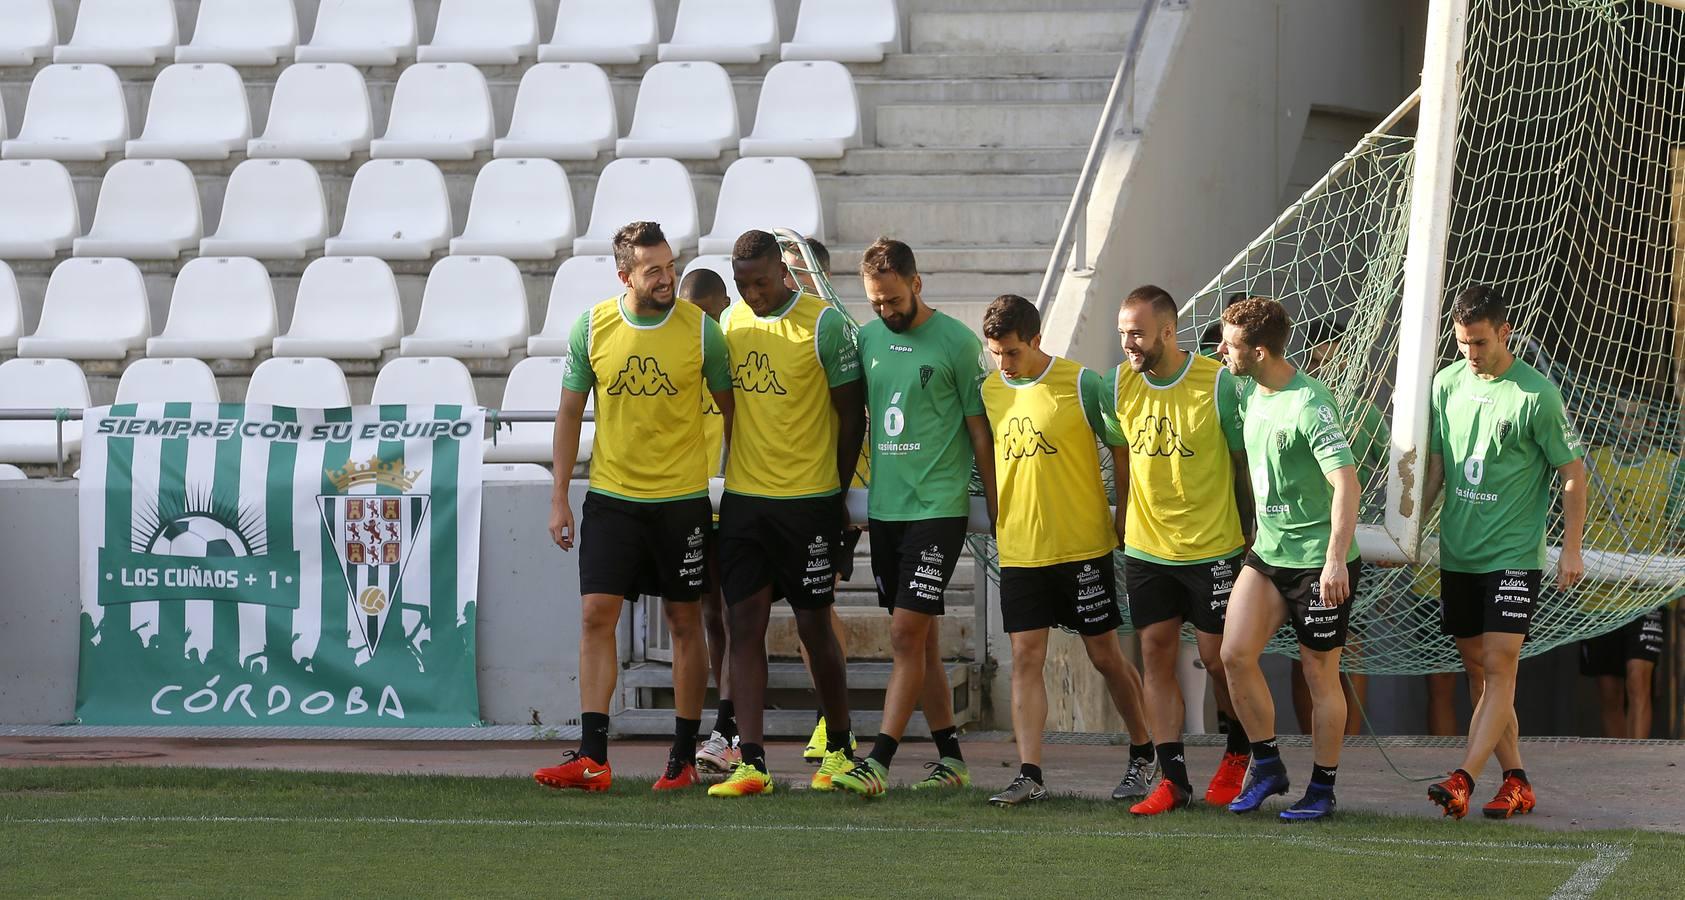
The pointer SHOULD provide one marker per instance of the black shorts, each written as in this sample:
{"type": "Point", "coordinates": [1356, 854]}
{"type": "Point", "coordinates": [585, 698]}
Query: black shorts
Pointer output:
{"type": "Point", "coordinates": [1639, 640]}
{"type": "Point", "coordinates": [844, 558]}
{"type": "Point", "coordinates": [1080, 596]}
{"type": "Point", "coordinates": [1502, 602]}
{"type": "Point", "coordinates": [913, 561]}
{"type": "Point", "coordinates": [631, 548]}
{"type": "Point", "coordinates": [1197, 594]}
{"type": "Point", "coordinates": [787, 545]}
{"type": "Point", "coordinates": [1317, 627]}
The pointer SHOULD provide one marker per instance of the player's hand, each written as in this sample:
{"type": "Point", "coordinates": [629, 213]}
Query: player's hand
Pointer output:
{"type": "Point", "coordinates": [1336, 583]}
{"type": "Point", "coordinates": [1570, 568]}
{"type": "Point", "coordinates": [561, 523]}
{"type": "Point", "coordinates": [1118, 519]}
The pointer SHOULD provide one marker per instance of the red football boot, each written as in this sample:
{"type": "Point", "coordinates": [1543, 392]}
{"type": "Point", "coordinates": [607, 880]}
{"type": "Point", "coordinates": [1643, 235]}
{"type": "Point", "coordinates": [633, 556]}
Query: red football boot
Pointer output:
{"type": "Point", "coordinates": [575, 773]}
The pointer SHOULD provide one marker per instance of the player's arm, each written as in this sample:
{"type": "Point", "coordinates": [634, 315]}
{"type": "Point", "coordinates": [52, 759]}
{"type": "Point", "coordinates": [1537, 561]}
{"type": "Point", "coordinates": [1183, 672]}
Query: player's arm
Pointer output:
{"type": "Point", "coordinates": [1102, 420]}
{"type": "Point", "coordinates": [1244, 502]}
{"type": "Point", "coordinates": [716, 377]}
{"type": "Point", "coordinates": [1571, 566]}
{"type": "Point", "coordinates": [1120, 460]}
{"type": "Point", "coordinates": [969, 371]}
{"type": "Point", "coordinates": [983, 450]}
{"type": "Point", "coordinates": [1433, 480]}
{"type": "Point", "coordinates": [841, 360]}
{"type": "Point", "coordinates": [577, 381]}
{"type": "Point", "coordinates": [1336, 580]}
{"type": "Point", "coordinates": [1234, 434]}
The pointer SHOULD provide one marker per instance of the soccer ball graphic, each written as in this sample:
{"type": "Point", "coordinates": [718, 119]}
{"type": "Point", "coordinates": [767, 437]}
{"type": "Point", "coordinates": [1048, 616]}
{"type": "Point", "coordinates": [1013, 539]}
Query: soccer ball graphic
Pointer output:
{"type": "Point", "coordinates": [198, 535]}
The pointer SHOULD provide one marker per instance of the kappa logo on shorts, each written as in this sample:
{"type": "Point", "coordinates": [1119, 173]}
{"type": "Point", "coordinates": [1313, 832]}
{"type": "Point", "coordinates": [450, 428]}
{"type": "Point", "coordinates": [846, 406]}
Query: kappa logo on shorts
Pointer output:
{"type": "Point", "coordinates": [1157, 437]}
{"type": "Point", "coordinates": [1020, 439]}
{"type": "Point", "coordinates": [642, 377]}
{"type": "Point", "coordinates": [756, 375]}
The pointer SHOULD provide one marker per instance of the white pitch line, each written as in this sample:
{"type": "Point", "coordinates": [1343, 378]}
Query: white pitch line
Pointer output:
{"type": "Point", "coordinates": [1593, 872]}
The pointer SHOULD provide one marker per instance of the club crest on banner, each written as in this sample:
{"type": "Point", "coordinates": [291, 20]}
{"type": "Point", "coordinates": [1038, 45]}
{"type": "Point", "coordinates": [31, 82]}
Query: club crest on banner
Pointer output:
{"type": "Point", "coordinates": [371, 522]}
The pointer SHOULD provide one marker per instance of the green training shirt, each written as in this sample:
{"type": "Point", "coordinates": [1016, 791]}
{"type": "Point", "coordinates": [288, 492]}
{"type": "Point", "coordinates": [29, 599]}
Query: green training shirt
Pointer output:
{"type": "Point", "coordinates": [1293, 440]}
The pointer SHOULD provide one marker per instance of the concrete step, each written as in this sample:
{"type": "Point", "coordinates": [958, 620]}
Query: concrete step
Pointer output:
{"type": "Point", "coordinates": [1027, 31]}
{"type": "Point", "coordinates": [781, 723]}
{"type": "Point", "coordinates": [1006, 64]}
{"type": "Point", "coordinates": [862, 676]}
{"type": "Point", "coordinates": [867, 629]}
{"type": "Point", "coordinates": [956, 160]}
{"type": "Point", "coordinates": [1046, 7]}
{"type": "Point", "coordinates": [975, 184]}
{"type": "Point", "coordinates": [940, 263]}
{"type": "Point", "coordinates": [921, 221]}
{"type": "Point", "coordinates": [987, 125]}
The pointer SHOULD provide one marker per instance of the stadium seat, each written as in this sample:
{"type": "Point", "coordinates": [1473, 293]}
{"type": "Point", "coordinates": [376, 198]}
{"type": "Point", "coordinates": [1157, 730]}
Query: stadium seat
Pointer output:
{"type": "Point", "coordinates": [94, 309]}
{"type": "Point", "coordinates": [74, 113]}
{"type": "Point", "coordinates": [632, 190]}
{"type": "Point", "coordinates": [723, 31]}
{"type": "Point", "coordinates": [168, 381]}
{"type": "Point", "coordinates": [398, 209]}
{"type": "Point", "coordinates": [197, 111]}
{"type": "Point", "coordinates": [44, 384]}
{"type": "Point", "coordinates": [721, 264]}
{"type": "Point", "coordinates": [121, 33]}
{"type": "Point", "coordinates": [765, 192]}
{"type": "Point", "coordinates": [242, 33]}
{"type": "Point", "coordinates": [299, 381]}
{"type": "Point", "coordinates": [686, 110]}
{"type": "Point", "coordinates": [347, 308]}
{"type": "Point", "coordinates": [580, 282]}
{"type": "Point", "coordinates": [361, 33]}
{"type": "Point", "coordinates": [562, 111]}
{"type": "Point", "coordinates": [439, 111]}
{"type": "Point", "coordinates": [482, 32]}
{"type": "Point", "coordinates": [271, 209]}
{"type": "Point", "coordinates": [11, 310]}
{"type": "Point", "coordinates": [318, 111]}
{"type": "Point", "coordinates": [28, 31]}
{"type": "Point", "coordinates": [221, 308]}
{"type": "Point", "coordinates": [38, 211]}
{"type": "Point", "coordinates": [534, 385]}
{"type": "Point", "coordinates": [857, 31]}
{"type": "Point", "coordinates": [474, 307]}
{"type": "Point", "coordinates": [488, 472]}
{"type": "Point", "coordinates": [807, 109]}
{"type": "Point", "coordinates": [148, 209]}
{"type": "Point", "coordinates": [9, 472]}
{"type": "Point", "coordinates": [607, 32]}
{"type": "Point", "coordinates": [521, 209]}
{"type": "Point", "coordinates": [424, 380]}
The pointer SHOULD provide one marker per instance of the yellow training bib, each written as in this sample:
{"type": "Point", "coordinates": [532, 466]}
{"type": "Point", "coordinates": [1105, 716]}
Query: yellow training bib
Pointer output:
{"type": "Point", "coordinates": [649, 395]}
{"type": "Point", "coordinates": [784, 429]}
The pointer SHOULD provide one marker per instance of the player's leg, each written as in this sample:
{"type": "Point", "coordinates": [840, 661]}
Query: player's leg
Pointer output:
{"type": "Point", "coordinates": [1256, 610]}
{"type": "Point", "coordinates": [690, 683]}
{"type": "Point", "coordinates": [1161, 642]}
{"type": "Point", "coordinates": [1029, 716]}
{"type": "Point", "coordinates": [1442, 704]}
{"type": "Point", "coordinates": [936, 697]}
{"type": "Point", "coordinates": [830, 680]}
{"type": "Point", "coordinates": [745, 547]}
{"type": "Point", "coordinates": [1462, 614]}
{"type": "Point", "coordinates": [842, 562]}
{"type": "Point", "coordinates": [719, 753]}
{"type": "Point", "coordinates": [1230, 776]}
{"type": "Point", "coordinates": [1612, 698]}
{"type": "Point", "coordinates": [1356, 686]}
{"type": "Point", "coordinates": [1328, 726]}
{"type": "Point", "coordinates": [1640, 681]}
{"type": "Point", "coordinates": [1494, 721]}
{"type": "Point", "coordinates": [1301, 694]}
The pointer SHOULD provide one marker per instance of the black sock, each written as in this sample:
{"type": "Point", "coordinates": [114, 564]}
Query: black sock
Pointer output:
{"type": "Point", "coordinates": [1143, 752]}
{"type": "Point", "coordinates": [1465, 774]}
{"type": "Point", "coordinates": [835, 740]}
{"type": "Point", "coordinates": [1322, 776]}
{"type": "Point", "coordinates": [1236, 733]}
{"type": "Point", "coordinates": [593, 736]}
{"type": "Point", "coordinates": [725, 720]}
{"type": "Point", "coordinates": [1174, 764]}
{"type": "Point", "coordinates": [947, 742]}
{"type": "Point", "coordinates": [754, 755]}
{"type": "Point", "coordinates": [883, 749]}
{"type": "Point", "coordinates": [1518, 774]}
{"type": "Point", "coordinates": [1266, 751]}
{"type": "Point", "coordinates": [1033, 772]}
{"type": "Point", "coordinates": [684, 739]}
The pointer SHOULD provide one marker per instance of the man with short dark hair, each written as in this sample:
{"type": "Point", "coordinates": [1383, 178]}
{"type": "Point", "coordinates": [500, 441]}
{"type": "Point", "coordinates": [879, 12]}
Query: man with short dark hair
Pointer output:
{"type": "Point", "coordinates": [927, 425]}
{"type": "Point", "coordinates": [1497, 434]}
{"type": "Point", "coordinates": [1303, 567]}
{"type": "Point", "coordinates": [648, 361]}
{"type": "Point", "coordinates": [1054, 528]}
{"type": "Point", "coordinates": [794, 444]}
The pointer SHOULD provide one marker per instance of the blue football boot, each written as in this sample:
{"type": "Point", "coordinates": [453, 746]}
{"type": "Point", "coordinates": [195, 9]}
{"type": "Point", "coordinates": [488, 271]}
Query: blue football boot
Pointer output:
{"type": "Point", "coordinates": [1264, 782]}
{"type": "Point", "coordinates": [1318, 803]}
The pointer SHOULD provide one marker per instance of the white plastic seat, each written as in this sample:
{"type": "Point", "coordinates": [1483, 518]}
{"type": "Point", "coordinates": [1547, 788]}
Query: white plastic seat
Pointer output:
{"type": "Point", "coordinates": [75, 112]}
{"type": "Point", "coordinates": [725, 31]}
{"type": "Point", "coordinates": [424, 381]}
{"type": "Point", "coordinates": [38, 211]}
{"type": "Point", "coordinates": [94, 309]}
{"type": "Point", "coordinates": [488, 472]}
{"type": "Point", "coordinates": [439, 111]}
{"type": "Point", "coordinates": [44, 384]}
{"type": "Point", "coordinates": [28, 31]}
{"type": "Point", "coordinates": [242, 33]}
{"type": "Point", "coordinates": [121, 33]}
{"type": "Point", "coordinates": [9, 472]}
{"type": "Point", "coordinates": [857, 31]}
{"type": "Point", "coordinates": [318, 111]}
{"type": "Point", "coordinates": [483, 32]}
{"type": "Point", "coordinates": [721, 266]}
{"type": "Point", "coordinates": [686, 110]}
{"type": "Point", "coordinates": [222, 308]}
{"type": "Point", "coordinates": [474, 307]}
{"type": "Point", "coordinates": [299, 381]}
{"type": "Point", "coordinates": [521, 209]}
{"type": "Point", "coordinates": [148, 209]}
{"type": "Point", "coordinates": [765, 192]}
{"type": "Point", "coordinates": [11, 309]}
{"type": "Point", "coordinates": [198, 111]}
{"type": "Point", "coordinates": [607, 32]}
{"type": "Point", "coordinates": [534, 385]}
{"type": "Point", "coordinates": [807, 109]}
{"type": "Point", "coordinates": [562, 111]}
{"type": "Point", "coordinates": [397, 209]}
{"type": "Point", "coordinates": [361, 32]}
{"type": "Point", "coordinates": [632, 190]}
{"type": "Point", "coordinates": [580, 283]}
{"type": "Point", "coordinates": [168, 381]}
{"type": "Point", "coordinates": [347, 308]}
{"type": "Point", "coordinates": [271, 209]}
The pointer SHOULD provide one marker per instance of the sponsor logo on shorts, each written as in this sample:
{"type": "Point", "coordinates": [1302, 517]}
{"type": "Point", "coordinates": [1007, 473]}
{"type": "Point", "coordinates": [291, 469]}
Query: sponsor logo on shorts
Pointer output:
{"type": "Point", "coordinates": [816, 580]}
{"type": "Point", "coordinates": [931, 572]}
{"type": "Point", "coordinates": [818, 564]}
{"type": "Point", "coordinates": [1322, 634]}
{"type": "Point", "coordinates": [819, 546]}
{"type": "Point", "coordinates": [695, 539]}
{"type": "Point", "coordinates": [931, 556]}
{"type": "Point", "coordinates": [1088, 575]}
{"type": "Point", "coordinates": [690, 571]}
{"type": "Point", "coordinates": [1511, 614]}
{"type": "Point", "coordinates": [1090, 593]}
{"type": "Point", "coordinates": [693, 556]}
{"type": "Point", "coordinates": [1518, 585]}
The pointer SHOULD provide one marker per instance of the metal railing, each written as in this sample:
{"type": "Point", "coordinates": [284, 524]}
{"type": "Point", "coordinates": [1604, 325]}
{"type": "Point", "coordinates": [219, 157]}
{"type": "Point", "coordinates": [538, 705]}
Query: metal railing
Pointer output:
{"type": "Point", "coordinates": [1117, 120]}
